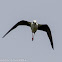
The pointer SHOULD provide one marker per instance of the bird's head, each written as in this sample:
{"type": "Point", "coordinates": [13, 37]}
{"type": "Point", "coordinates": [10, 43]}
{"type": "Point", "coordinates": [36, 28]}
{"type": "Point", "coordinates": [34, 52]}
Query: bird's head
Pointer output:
{"type": "Point", "coordinates": [34, 22]}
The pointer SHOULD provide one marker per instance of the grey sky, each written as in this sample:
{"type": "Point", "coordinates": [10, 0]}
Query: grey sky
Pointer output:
{"type": "Point", "coordinates": [18, 43]}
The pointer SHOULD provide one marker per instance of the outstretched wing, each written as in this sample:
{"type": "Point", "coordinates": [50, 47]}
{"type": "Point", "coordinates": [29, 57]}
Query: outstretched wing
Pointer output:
{"type": "Point", "coordinates": [23, 22]}
{"type": "Point", "coordinates": [47, 29]}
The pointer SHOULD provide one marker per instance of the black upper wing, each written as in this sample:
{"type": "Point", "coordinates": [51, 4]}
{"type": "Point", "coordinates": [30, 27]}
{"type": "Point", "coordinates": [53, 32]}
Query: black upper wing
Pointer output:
{"type": "Point", "coordinates": [23, 22]}
{"type": "Point", "coordinates": [47, 29]}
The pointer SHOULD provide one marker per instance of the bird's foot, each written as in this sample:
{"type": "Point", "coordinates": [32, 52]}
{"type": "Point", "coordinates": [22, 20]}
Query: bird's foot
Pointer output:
{"type": "Point", "coordinates": [32, 39]}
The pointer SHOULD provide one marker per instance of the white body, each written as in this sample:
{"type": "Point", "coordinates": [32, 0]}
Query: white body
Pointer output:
{"type": "Point", "coordinates": [34, 27]}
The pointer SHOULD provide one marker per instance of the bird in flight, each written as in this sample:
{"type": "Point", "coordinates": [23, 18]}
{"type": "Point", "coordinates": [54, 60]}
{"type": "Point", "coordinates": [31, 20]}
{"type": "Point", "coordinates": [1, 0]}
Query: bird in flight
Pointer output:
{"type": "Point", "coordinates": [34, 27]}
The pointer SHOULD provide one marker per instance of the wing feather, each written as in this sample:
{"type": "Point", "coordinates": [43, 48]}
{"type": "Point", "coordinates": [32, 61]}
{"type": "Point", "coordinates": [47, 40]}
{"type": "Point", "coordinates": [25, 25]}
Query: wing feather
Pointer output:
{"type": "Point", "coordinates": [23, 22]}
{"type": "Point", "coordinates": [46, 29]}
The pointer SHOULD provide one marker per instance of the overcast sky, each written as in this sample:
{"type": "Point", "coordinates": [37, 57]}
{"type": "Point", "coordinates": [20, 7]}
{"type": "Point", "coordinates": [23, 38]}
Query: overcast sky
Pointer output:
{"type": "Point", "coordinates": [18, 43]}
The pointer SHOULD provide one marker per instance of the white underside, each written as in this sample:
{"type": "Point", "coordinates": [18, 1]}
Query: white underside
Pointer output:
{"type": "Point", "coordinates": [34, 27]}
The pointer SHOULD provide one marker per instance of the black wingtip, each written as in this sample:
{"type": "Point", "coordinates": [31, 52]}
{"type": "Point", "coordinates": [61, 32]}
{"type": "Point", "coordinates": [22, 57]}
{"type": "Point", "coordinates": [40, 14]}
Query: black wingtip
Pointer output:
{"type": "Point", "coordinates": [3, 36]}
{"type": "Point", "coordinates": [53, 47]}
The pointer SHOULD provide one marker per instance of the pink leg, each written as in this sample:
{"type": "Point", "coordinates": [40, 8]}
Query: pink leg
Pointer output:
{"type": "Point", "coordinates": [32, 37]}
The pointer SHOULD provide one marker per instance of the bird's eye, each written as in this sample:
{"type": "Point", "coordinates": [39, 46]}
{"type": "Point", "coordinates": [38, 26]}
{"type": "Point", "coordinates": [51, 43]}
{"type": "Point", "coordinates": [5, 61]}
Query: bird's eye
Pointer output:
{"type": "Point", "coordinates": [34, 23]}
